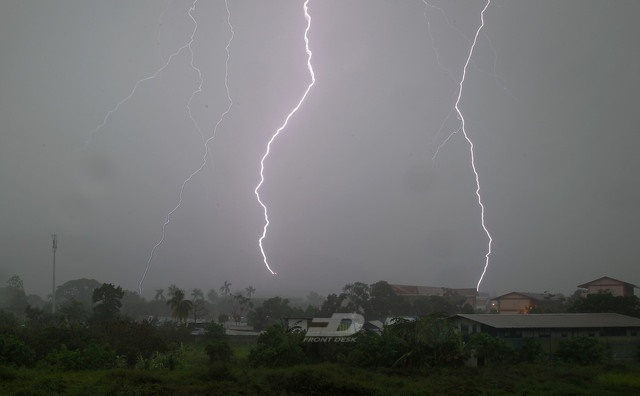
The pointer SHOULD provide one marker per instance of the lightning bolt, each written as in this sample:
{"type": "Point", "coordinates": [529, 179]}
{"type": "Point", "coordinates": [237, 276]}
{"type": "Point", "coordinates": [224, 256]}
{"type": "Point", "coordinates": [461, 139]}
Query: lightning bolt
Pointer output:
{"type": "Point", "coordinates": [278, 131]}
{"type": "Point", "coordinates": [186, 46]}
{"type": "Point", "coordinates": [205, 141]}
{"type": "Point", "coordinates": [461, 127]}
{"type": "Point", "coordinates": [164, 11]}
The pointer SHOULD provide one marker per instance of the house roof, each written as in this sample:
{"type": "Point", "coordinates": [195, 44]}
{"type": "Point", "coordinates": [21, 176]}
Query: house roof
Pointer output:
{"type": "Point", "coordinates": [533, 296]}
{"type": "Point", "coordinates": [546, 321]}
{"type": "Point", "coordinates": [412, 290]}
{"type": "Point", "coordinates": [586, 285]}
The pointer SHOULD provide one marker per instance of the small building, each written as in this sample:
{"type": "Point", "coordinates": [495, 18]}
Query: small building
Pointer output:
{"type": "Point", "coordinates": [607, 284]}
{"type": "Point", "coordinates": [518, 302]}
{"type": "Point", "coordinates": [412, 291]}
{"type": "Point", "coordinates": [621, 333]}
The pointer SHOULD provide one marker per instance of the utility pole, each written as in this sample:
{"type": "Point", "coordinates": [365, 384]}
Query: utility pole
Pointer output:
{"type": "Point", "coordinates": [53, 288]}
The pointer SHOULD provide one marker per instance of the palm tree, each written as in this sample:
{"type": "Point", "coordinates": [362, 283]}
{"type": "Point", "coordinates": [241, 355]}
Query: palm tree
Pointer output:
{"type": "Point", "coordinates": [226, 288]}
{"type": "Point", "coordinates": [197, 294]}
{"type": "Point", "coordinates": [250, 290]}
{"type": "Point", "coordinates": [212, 295]}
{"type": "Point", "coordinates": [160, 295]}
{"type": "Point", "coordinates": [198, 303]}
{"type": "Point", "coordinates": [180, 307]}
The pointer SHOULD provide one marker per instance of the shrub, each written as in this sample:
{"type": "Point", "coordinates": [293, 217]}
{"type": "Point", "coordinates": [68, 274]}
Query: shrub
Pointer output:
{"type": "Point", "coordinates": [94, 357]}
{"type": "Point", "coordinates": [582, 350]}
{"type": "Point", "coordinates": [368, 351]}
{"type": "Point", "coordinates": [164, 360]}
{"type": "Point", "coordinates": [530, 351]}
{"type": "Point", "coordinates": [131, 339]}
{"type": "Point", "coordinates": [219, 351]}
{"type": "Point", "coordinates": [14, 352]}
{"type": "Point", "coordinates": [277, 348]}
{"type": "Point", "coordinates": [100, 356]}
{"type": "Point", "coordinates": [491, 349]}
{"type": "Point", "coordinates": [64, 359]}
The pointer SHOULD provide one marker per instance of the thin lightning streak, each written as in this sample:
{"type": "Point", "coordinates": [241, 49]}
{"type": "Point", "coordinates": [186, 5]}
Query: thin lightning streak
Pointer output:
{"type": "Point", "coordinates": [448, 72]}
{"type": "Point", "coordinates": [160, 30]}
{"type": "Point", "coordinates": [445, 141]}
{"type": "Point", "coordinates": [444, 69]}
{"type": "Point", "coordinates": [205, 142]}
{"type": "Point", "coordinates": [137, 84]}
{"type": "Point", "coordinates": [284, 125]}
{"type": "Point", "coordinates": [464, 132]}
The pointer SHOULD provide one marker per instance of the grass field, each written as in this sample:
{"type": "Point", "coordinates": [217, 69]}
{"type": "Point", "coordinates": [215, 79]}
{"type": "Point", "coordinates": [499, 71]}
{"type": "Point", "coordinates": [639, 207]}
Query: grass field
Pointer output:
{"type": "Point", "coordinates": [194, 375]}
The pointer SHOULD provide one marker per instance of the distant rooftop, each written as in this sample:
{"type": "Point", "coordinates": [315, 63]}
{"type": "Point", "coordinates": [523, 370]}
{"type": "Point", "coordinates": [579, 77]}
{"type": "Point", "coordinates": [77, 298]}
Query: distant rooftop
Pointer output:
{"type": "Point", "coordinates": [412, 290]}
{"type": "Point", "coordinates": [564, 320]}
{"type": "Point", "coordinates": [596, 281]}
{"type": "Point", "coordinates": [534, 296]}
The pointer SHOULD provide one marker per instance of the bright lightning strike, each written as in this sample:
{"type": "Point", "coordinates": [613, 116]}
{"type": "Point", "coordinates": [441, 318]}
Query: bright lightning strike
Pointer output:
{"type": "Point", "coordinates": [464, 133]}
{"type": "Point", "coordinates": [466, 136]}
{"type": "Point", "coordinates": [205, 142]}
{"type": "Point", "coordinates": [284, 125]}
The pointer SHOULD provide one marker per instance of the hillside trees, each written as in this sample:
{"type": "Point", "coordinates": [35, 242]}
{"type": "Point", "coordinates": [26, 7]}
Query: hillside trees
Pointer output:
{"type": "Point", "coordinates": [107, 299]}
{"type": "Point", "coordinates": [607, 302]}
{"type": "Point", "coordinates": [12, 297]}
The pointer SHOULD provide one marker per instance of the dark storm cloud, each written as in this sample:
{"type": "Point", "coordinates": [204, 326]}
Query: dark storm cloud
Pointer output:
{"type": "Point", "coordinates": [353, 194]}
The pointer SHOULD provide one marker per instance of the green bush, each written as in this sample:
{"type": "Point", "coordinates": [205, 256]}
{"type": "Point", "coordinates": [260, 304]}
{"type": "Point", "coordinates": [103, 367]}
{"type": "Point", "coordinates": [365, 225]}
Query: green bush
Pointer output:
{"type": "Point", "coordinates": [277, 348]}
{"type": "Point", "coordinates": [14, 352]}
{"type": "Point", "coordinates": [371, 350]}
{"type": "Point", "coordinates": [530, 351]}
{"type": "Point", "coordinates": [218, 347]}
{"type": "Point", "coordinates": [94, 357]}
{"type": "Point", "coordinates": [582, 350]}
{"type": "Point", "coordinates": [100, 356]}
{"type": "Point", "coordinates": [219, 351]}
{"type": "Point", "coordinates": [64, 359]}
{"type": "Point", "coordinates": [131, 340]}
{"type": "Point", "coordinates": [490, 349]}
{"type": "Point", "coordinates": [164, 360]}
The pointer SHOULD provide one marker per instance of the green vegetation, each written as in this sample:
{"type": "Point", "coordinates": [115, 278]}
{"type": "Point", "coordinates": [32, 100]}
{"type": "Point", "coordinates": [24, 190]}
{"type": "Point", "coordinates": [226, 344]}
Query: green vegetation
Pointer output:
{"type": "Point", "coordinates": [93, 346]}
{"type": "Point", "coordinates": [193, 376]}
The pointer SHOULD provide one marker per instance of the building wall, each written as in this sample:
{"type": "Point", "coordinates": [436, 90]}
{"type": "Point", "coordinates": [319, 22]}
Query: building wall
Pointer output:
{"type": "Point", "coordinates": [515, 304]}
{"type": "Point", "coordinates": [616, 290]}
{"type": "Point", "coordinates": [623, 343]}
{"type": "Point", "coordinates": [615, 287]}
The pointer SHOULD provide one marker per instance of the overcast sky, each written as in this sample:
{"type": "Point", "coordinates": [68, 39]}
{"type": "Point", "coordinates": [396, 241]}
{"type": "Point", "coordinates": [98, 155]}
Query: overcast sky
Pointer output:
{"type": "Point", "coordinates": [550, 102]}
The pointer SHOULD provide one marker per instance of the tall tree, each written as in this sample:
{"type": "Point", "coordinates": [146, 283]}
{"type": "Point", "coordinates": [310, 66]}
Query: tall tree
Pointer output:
{"type": "Point", "coordinates": [12, 297]}
{"type": "Point", "coordinates": [198, 303]}
{"type": "Point", "coordinates": [607, 302]}
{"type": "Point", "coordinates": [73, 311]}
{"type": "Point", "coordinates": [385, 302]}
{"type": "Point", "coordinates": [107, 300]}
{"type": "Point", "coordinates": [15, 282]}
{"type": "Point", "coordinates": [240, 305]}
{"type": "Point", "coordinates": [250, 290]}
{"type": "Point", "coordinates": [212, 295]}
{"type": "Point", "coordinates": [357, 297]}
{"type": "Point", "coordinates": [180, 308]}
{"type": "Point", "coordinates": [270, 312]}
{"type": "Point", "coordinates": [159, 295]}
{"type": "Point", "coordinates": [332, 304]}
{"type": "Point", "coordinates": [225, 289]}
{"type": "Point", "coordinates": [314, 299]}
{"type": "Point", "coordinates": [79, 289]}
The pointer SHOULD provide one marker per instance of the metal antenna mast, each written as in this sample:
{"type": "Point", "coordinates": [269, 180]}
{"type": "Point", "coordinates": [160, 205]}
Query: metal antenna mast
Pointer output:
{"type": "Point", "coordinates": [53, 288]}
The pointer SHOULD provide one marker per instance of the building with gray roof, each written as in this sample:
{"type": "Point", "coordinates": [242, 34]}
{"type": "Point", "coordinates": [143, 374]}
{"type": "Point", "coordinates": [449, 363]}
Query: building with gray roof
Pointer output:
{"type": "Point", "coordinates": [619, 332]}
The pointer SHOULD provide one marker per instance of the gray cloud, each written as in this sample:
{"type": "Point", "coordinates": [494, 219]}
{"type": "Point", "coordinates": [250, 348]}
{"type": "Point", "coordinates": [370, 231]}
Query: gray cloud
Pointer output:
{"type": "Point", "coordinates": [353, 195]}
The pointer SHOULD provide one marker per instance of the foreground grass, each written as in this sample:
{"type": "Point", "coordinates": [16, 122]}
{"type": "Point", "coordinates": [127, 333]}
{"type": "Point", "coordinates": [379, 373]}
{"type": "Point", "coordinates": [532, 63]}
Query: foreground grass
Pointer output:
{"type": "Point", "coordinates": [196, 376]}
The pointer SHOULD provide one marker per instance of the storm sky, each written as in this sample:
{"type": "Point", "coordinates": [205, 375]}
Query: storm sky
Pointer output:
{"type": "Point", "coordinates": [550, 102]}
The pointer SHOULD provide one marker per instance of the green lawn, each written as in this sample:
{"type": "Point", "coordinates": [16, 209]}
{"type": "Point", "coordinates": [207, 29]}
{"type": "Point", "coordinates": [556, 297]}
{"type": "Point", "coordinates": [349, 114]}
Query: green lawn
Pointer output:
{"type": "Point", "coordinates": [194, 375]}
